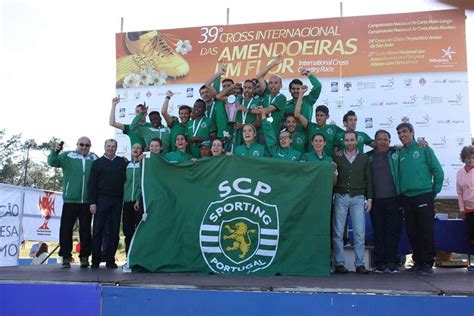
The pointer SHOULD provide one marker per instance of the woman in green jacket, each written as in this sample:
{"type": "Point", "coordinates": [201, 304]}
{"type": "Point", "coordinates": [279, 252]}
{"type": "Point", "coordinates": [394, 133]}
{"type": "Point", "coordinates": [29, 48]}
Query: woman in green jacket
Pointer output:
{"type": "Point", "coordinates": [318, 154]}
{"type": "Point", "coordinates": [181, 154]}
{"type": "Point", "coordinates": [250, 147]}
{"type": "Point", "coordinates": [132, 211]}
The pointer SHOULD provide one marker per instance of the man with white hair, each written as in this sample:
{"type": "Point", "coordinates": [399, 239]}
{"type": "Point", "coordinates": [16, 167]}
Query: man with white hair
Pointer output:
{"type": "Point", "coordinates": [106, 184]}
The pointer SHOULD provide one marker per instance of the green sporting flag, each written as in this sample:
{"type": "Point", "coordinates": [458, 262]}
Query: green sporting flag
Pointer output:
{"type": "Point", "coordinates": [234, 215]}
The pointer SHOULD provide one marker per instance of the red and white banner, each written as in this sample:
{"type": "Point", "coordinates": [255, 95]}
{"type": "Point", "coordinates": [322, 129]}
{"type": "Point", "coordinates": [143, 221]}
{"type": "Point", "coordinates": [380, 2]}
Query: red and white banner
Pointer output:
{"type": "Point", "coordinates": [41, 215]}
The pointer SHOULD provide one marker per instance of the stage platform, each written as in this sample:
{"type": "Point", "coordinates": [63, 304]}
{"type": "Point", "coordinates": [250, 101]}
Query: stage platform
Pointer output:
{"type": "Point", "coordinates": [105, 292]}
{"type": "Point", "coordinates": [445, 281]}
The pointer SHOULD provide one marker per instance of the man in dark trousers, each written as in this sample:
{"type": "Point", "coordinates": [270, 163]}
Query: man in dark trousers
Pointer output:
{"type": "Point", "coordinates": [76, 167]}
{"type": "Point", "coordinates": [106, 195]}
{"type": "Point", "coordinates": [421, 178]}
{"type": "Point", "coordinates": [386, 214]}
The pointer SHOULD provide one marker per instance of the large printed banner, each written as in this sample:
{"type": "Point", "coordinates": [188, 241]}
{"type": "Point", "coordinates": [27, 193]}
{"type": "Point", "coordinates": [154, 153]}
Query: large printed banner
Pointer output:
{"type": "Point", "coordinates": [42, 215]}
{"type": "Point", "coordinates": [11, 200]}
{"type": "Point", "coordinates": [387, 68]}
{"type": "Point", "coordinates": [336, 47]}
{"type": "Point", "coordinates": [234, 215]}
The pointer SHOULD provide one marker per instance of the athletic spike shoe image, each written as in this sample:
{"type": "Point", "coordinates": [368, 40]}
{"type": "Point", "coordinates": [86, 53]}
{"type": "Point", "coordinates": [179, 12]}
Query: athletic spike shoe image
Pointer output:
{"type": "Point", "coordinates": [137, 41]}
{"type": "Point", "coordinates": [131, 64]}
{"type": "Point", "coordinates": [156, 49]}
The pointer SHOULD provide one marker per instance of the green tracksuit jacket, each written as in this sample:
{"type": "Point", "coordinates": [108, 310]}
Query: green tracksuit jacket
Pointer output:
{"type": "Point", "coordinates": [420, 171]}
{"type": "Point", "coordinates": [76, 171]}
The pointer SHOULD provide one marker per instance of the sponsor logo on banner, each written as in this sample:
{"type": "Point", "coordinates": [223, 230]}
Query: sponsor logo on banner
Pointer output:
{"type": "Point", "coordinates": [46, 209]}
{"type": "Point", "coordinates": [441, 143]}
{"type": "Point", "coordinates": [326, 102]}
{"type": "Point", "coordinates": [446, 81]}
{"type": "Point", "coordinates": [348, 86]}
{"type": "Point", "coordinates": [369, 123]}
{"type": "Point", "coordinates": [359, 103]}
{"type": "Point", "coordinates": [340, 102]}
{"type": "Point", "coordinates": [389, 85]}
{"type": "Point", "coordinates": [407, 83]}
{"type": "Point", "coordinates": [443, 122]}
{"type": "Point", "coordinates": [456, 165]}
{"type": "Point", "coordinates": [460, 141]}
{"type": "Point", "coordinates": [411, 101]}
{"type": "Point", "coordinates": [122, 150]}
{"type": "Point", "coordinates": [364, 85]}
{"type": "Point", "coordinates": [457, 100]}
{"type": "Point", "coordinates": [447, 183]}
{"type": "Point", "coordinates": [122, 112]}
{"type": "Point", "coordinates": [446, 59]}
{"type": "Point", "coordinates": [137, 95]}
{"type": "Point", "coordinates": [448, 53]}
{"type": "Point", "coordinates": [424, 122]}
{"type": "Point", "coordinates": [334, 86]}
{"type": "Point", "coordinates": [422, 81]}
{"type": "Point", "coordinates": [148, 94]}
{"type": "Point", "coordinates": [405, 119]}
{"type": "Point", "coordinates": [432, 100]}
{"type": "Point", "coordinates": [189, 92]}
{"type": "Point", "coordinates": [377, 103]}
{"type": "Point", "coordinates": [240, 233]}
{"type": "Point", "coordinates": [123, 95]}
{"type": "Point", "coordinates": [388, 123]}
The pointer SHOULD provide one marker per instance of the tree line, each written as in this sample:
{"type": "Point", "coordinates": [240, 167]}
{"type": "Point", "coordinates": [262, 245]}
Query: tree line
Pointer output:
{"type": "Point", "coordinates": [22, 163]}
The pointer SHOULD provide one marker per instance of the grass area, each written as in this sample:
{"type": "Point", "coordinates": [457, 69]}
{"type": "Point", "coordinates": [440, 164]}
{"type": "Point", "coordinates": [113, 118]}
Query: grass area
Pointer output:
{"type": "Point", "coordinates": [26, 247]}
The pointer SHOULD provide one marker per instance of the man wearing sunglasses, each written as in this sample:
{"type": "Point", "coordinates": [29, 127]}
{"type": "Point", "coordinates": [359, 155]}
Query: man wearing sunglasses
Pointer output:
{"type": "Point", "coordinates": [76, 166]}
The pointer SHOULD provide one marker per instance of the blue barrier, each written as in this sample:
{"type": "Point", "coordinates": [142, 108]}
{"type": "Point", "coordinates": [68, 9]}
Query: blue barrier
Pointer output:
{"type": "Point", "coordinates": [450, 236]}
{"type": "Point", "coordinates": [95, 299]}
{"type": "Point", "coordinates": [27, 261]}
{"type": "Point", "coordinates": [128, 301]}
{"type": "Point", "coordinates": [50, 299]}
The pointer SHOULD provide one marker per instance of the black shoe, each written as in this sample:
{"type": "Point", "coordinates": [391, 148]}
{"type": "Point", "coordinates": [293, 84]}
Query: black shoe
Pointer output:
{"type": "Point", "coordinates": [426, 270]}
{"type": "Point", "coordinates": [341, 270]}
{"type": "Point", "coordinates": [392, 268]}
{"type": "Point", "coordinates": [66, 263]}
{"type": "Point", "coordinates": [362, 270]}
{"type": "Point", "coordinates": [111, 265]}
{"type": "Point", "coordinates": [379, 269]}
{"type": "Point", "coordinates": [414, 269]}
{"type": "Point", "coordinates": [95, 266]}
{"type": "Point", "coordinates": [84, 262]}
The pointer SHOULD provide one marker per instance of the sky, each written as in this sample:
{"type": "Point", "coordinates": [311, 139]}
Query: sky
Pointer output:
{"type": "Point", "coordinates": [57, 72]}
